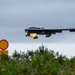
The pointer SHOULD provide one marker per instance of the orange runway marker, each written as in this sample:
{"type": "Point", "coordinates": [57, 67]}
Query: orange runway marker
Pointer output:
{"type": "Point", "coordinates": [3, 46]}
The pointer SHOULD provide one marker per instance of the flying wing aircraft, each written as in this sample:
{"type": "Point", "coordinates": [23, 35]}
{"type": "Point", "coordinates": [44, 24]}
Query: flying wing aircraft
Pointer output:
{"type": "Point", "coordinates": [34, 31]}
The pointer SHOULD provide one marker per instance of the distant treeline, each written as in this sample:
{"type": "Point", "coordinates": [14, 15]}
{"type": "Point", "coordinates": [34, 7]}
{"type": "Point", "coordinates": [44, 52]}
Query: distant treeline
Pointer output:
{"type": "Point", "coordinates": [39, 62]}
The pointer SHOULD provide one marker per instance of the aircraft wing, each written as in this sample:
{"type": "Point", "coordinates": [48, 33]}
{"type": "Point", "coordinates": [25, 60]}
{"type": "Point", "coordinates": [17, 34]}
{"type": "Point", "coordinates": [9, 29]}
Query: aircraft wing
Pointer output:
{"type": "Point", "coordinates": [47, 32]}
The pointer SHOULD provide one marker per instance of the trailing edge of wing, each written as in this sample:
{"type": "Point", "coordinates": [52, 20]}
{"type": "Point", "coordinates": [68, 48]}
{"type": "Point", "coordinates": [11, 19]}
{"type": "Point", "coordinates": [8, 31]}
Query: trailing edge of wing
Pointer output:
{"type": "Point", "coordinates": [72, 30]}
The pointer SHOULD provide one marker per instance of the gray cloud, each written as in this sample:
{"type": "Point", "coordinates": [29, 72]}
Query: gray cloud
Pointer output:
{"type": "Point", "coordinates": [17, 15]}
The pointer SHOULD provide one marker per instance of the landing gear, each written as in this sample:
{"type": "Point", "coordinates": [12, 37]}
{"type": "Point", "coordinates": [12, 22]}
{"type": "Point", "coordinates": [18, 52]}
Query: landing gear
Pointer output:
{"type": "Point", "coordinates": [47, 36]}
{"type": "Point", "coordinates": [35, 37]}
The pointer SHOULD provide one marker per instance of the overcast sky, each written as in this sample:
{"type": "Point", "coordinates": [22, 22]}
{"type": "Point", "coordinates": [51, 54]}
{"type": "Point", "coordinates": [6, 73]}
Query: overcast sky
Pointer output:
{"type": "Point", "coordinates": [17, 15]}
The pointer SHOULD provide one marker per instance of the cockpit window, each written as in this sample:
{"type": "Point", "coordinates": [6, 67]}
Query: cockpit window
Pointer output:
{"type": "Point", "coordinates": [36, 28]}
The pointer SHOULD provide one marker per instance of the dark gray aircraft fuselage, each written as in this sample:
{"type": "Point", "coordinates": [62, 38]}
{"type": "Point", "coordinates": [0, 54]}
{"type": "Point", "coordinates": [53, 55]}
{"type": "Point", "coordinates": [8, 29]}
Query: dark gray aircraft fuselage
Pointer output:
{"type": "Point", "coordinates": [47, 32]}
